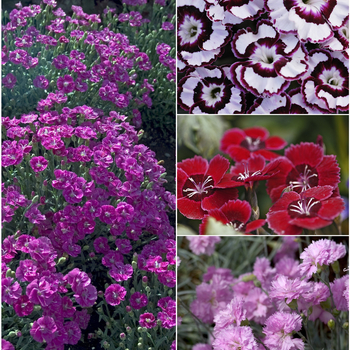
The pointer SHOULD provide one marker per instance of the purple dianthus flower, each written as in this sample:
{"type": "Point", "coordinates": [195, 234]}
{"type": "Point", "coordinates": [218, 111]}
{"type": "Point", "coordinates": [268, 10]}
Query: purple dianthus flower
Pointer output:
{"type": "Point", "coordinates": [203, 245]}
{"type": "Point", "coordinates": [114, 294]}
{"type": "Point", "coordinates": [138, 300]}
{"type": "Point", "coordinates": [278, 330]}
{"type": "Point", "coordinates": [319, 253]}
{"type": "Point", "coordinates": [147, 320]}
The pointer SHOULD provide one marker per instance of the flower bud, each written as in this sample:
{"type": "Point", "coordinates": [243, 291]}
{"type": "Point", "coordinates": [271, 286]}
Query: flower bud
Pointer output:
{"type": "Point", "coordinates": [19, 334]}
{"type": "Point", "coordinates": [248, 278]}
{"type": "Point", "coordinates": [148, 289]}
{"type": "Point", "coordinates": [345, 325]}
{"type": "Point", "coordinates": [61, 260]}
{"type": "Point", "coordinates": [92, 255]}
{"type": "Point", "coordinates": [86, 247]}
{"type": "Point", "coordinates": [293, 304]}
{"type": "Point", "coordinates": [135, 257]}
{"type": "Point", "coordinates": [139, 345]}
{"type": "Point", "coordinates": [140, 339]}
{"type": "Point", "coordinates": [128, 308]}
{"type": "Point", "coordinates": [12, 334]}
{"type": "Point", "coordinates": [331, 324]}
{"type": "Point", "coordinates": [99, 332]}
{"type": "Point", "coordinates": [134, 265]}
{"type": "Point", "coordinates": [122, 336]}
{"type": "Point", "coordinates": [257, 283]}
{"type": "Point", "coordinates": [37, 307]}
{"type": "Point", "coordinates": [8, 273]}
{"type": "Point", "coordinates": [326, 304]}
{"type": "Point", "coordinates": [139, 329]}
{"type": "Point", "coordinates": [100, 293]}
{"type": "Point", "coordinates": [128, 329]}
{"type": "Point", "coordinates": [335, 312]}
{"type": "Point", "coordinates": [336, 267]}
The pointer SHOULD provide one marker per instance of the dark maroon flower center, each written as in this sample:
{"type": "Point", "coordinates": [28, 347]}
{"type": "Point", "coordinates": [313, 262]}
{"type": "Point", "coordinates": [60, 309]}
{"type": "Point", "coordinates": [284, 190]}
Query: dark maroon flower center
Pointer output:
{"type": "Point", "coordinates": [198, 187]}
{"type": "Point", "coordinates": [304, 208]}
{"type": "Point", "coordinates": [302, 178]}
{"type": "Point", "coordinates": [252, 144]}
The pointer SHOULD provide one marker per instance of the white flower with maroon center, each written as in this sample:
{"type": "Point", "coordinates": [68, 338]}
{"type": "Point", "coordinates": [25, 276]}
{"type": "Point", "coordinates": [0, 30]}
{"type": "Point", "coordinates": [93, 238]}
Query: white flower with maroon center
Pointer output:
{"type": "Point", "coordinates": [199, 40]}
{"type": "Point", "coordinates": [206, 90]}
{"type": "Point", "coordinates": [312, 20]}
{"type": "Point", "coordinates": [270, 60]}
{"type": "Point", "coordinates": [327, 87]}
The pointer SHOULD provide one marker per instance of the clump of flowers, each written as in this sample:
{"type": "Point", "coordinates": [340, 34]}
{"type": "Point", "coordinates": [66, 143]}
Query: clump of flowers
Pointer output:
{"type": "Point", "coordinates": [85, 213]}
{"type": "Point", "coordinates": [285, 300]}
{"type": "Point", "coordinates": [265, 57]}
{"type": "Point", "coordinates": [302, 185]}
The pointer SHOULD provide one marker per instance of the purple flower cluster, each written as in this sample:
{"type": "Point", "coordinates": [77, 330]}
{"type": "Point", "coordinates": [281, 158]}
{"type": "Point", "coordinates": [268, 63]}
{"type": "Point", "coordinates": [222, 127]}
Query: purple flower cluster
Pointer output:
{"type": "Point", "coordinates": [285, 57]}
{"type": "Point", "coordinates": [83, 196]}
{"type": "Point", "coordinates": [274, 297]}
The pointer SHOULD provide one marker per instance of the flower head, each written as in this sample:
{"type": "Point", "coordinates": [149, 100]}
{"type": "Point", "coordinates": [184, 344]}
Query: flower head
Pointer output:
{"type": "Point", "coordinates": [196, 186]}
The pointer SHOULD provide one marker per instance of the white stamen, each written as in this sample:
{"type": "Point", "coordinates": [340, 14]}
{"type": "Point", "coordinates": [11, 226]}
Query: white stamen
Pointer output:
{"type": "Point", "coordinates": [301, 208]}
{"type": "Point", "coordinates": [199, 188]}
{"type": "Point", "coordinates": [303, 181]}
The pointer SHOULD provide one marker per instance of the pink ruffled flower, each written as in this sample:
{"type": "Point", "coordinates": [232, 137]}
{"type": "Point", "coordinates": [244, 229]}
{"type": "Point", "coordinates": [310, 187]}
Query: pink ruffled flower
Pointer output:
{"type": "Point", "coordinates": [9, 81]}
{"type": "Point", "coordinates": [10, 292]}
{"type": "Point", "coordinates": [319, 253]}
{"type": "Point", "coordinates": [279, 329]}
{"type": "Point", "coordinates": [38, 164]}
{"type": "Point", "coordinates": [66, 84]}
{"type": "Point", "coordinates": [147, 320]}
{"type": "Point", "coordinates": [203, 245]}
{"type": "Point", "coordinates": [235, 338]}
{"type": "Point", "coordinates": [286, 289]}
{"type": "Point", "coordinates": [114, 294]}
{"type": "Point", "coordinates": [43, 329]}
{"type": "Point", "coordinates": [233, 314]}
{"type": "Point", "coordinates": [138, 300]}
{"type": "Point", "coordinates": [23, 306]}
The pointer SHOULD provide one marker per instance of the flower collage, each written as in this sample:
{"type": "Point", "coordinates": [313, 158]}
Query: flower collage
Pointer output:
{"type": "Point", "coordinates": [175, 175]}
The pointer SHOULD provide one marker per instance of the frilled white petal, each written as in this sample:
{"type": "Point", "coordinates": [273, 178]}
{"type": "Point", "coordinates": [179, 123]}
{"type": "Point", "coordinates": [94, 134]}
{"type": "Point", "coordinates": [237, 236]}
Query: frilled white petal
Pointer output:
{"type": "Point", "coordinates": [231, 19]}
{"type": "Point", "coordinates": [187, 94]}
{"type": "Point", "coordinates": [309, 31]}
{"type": "Point", "coordinates": [200, 4]}
{"type": "Point", "coordinates": [270, 104]}
{"type": "Point", "coordinates": [216, 12]}
{"type": "Point", "coordinates": [217, 38]}
{"type": "Point", "coordinates": [245, 39]}
{"type": "Point", "coordinates": [297, 99]}
{"type": "Point", "coordinates": [339, 14]}
{"type": "Point", "coordinates": [310, 96]}
{"type": "Point", "coordinates": [339, 102]}
{"type": "Point", "coordinates": [235, 104]}
{"type": "Point", "coordinates": [248, 10]}
{"type": "Point", "coordinates": [257, 83]}
{"type": "Point", "coordinates": [291, 42]}
{"type": "Point", "coordinates": [202, 72]}
{"type": "Point", "coordinates": [296, 68]}
{"type": "Point", "coordinates": [280, 16]}
{"type": "Point", "coordinates": [200, 57]}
